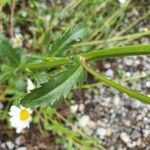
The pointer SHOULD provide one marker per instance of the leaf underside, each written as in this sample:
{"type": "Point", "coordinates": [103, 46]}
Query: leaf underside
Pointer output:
{"type": "Point", "coordinates": [57, 87]}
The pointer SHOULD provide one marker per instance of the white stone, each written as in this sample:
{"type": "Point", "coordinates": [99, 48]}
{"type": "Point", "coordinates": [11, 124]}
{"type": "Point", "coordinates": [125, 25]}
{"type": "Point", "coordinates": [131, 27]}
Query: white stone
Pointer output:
{"type": "Point", "coordinates": [128, 62]}
{"type": "Point", "coordinates": [81, 107]}
{"type": "Point", "coordinates": [116, 100]}
{"type": "Point", "coordinates": [91, 124]}
{"type": "Point", "coordinates": [136, 104]}
{"type": "Point", "coordinates": [10, 145]}
{"type": "Point", "coordinates": [146, 132]}
{"type": "Point", "coordinates": [137, 62]}
{"type": "Point", "coordinates": [138, 142]}
{"type": "Point", "coordinates": [126, 122]}
{"type": "Point", "coordinates": [22, 148]}
{"type": "Point", "coordinates": [108, 132]}
{"type": "Point", "coordinates": [101, 132]}
{"type": "Point", "coordinates": [131, 145]}
{"type": "Point", "coordinates": [107, 65]}
{"type": "Point", "coordinates": [125, 138]}
{"type": "Point", "coordinates": [74, 108]}
{"type": "Point", "coordinates": [83, 121]}
{"type": "Point", "coordinates": [3, 146]}
{"type": "Point", "coordinates": [109, 73]}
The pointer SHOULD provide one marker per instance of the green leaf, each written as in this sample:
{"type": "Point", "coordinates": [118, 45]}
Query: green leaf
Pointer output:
{"type": "Point", "coordinates": [62, 45]}
{"type": "Point", "coordinates": [7, 52]}
{"type": "Point", "coordinates": [132, 93]}
{"type": "Point", "coordinates": [117, 52]}
{"type": "Point", "coordinates": [47, 63]}
{"type": "Point", "coordinates": [57, 87]}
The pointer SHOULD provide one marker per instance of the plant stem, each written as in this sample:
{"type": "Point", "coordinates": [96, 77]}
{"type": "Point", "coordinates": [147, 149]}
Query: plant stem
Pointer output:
{"type": "Point", "coordinates": [132, 93]}
{"type": "Point", "coordinates": [88, 86]}
{"type": "Point", "coordinates": [48, 63]}
{"type": "Point", "coordinates": [98, 54]}
{"type": "Point", "coordinates": [116, 38]}
{"type": "Point", "coordinates": [117, 52]}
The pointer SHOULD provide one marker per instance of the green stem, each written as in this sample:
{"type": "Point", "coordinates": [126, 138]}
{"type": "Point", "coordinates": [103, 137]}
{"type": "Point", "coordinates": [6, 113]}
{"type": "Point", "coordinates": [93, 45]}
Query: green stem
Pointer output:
{"type": "Point", "coordinates": [116, 38]}
{"type": "Point", "coordinates": [132, 93]}
{"type": "Point", "coordinates": [49, 63]}
{"type": "Point", "coordinates": [98, 54]}
{"type": "Point", "coordinates": [117, 52]}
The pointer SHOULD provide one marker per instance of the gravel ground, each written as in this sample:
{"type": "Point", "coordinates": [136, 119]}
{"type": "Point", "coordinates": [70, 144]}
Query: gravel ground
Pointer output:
{"type": "Point", "coordinates": [117, 120]}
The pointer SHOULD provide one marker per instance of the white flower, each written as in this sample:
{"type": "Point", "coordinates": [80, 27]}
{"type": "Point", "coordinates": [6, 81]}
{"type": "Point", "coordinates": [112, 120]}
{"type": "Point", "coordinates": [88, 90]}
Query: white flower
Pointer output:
{"type": "Point", "coordinates": [20, 118]}
{"type": "Point", "coordinates": [30, 85]}
{"type": "Point", "coordinates": [17, 41]}
{"type": "Point", "coordinates": [83, 121]}
{"type": "Point", "coordinates": [122, 1]}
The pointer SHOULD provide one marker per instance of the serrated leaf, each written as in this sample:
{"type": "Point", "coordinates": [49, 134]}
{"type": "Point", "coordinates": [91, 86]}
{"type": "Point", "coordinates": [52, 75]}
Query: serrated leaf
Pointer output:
{"type": "Point", "coordinates": [62, 45]}
{"type": "Point", "coordinates": [58, 86]}
{"type": "Point", "coordinates": [7, 52]}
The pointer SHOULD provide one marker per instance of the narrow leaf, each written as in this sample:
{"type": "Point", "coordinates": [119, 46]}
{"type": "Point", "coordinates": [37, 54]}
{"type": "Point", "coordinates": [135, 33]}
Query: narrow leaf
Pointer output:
{"type": "Point", "coordinates": [132, 93]}
{"type": "Point", "coordinates": [47, 63]}
{"type": "Point", "coordinates": [62, 45]}
{"type": "Point", "coordinates": [58, 86]}
{"type": "Point", "coordinates": [117, 52]}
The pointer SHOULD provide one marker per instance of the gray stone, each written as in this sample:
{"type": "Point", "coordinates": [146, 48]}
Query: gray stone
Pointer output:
{"type": "Point", "coordinates": [135, 135]}
{"type": "Point", "coordinates": [20, 140]}
{"type": "Point", "coordinates": [10, 145]}
{"type": "Point", "coordinates": [3, 145]}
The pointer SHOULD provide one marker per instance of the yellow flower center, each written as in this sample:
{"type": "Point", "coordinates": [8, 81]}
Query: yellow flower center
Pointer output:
{"type": "Point", "coordinates": [24, 114]}
{"type": "Point", "coordinates": [18, 41]}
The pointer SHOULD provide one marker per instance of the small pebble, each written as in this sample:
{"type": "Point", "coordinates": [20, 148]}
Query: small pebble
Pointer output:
{"type": "Point", "coordinates": [10, 145]}
{"type": "Point", "coordinates": [21, 148]}
{"type": "Point", "coordinates": [83, 121]}
{"type": "Point", "coordinates": [81, 107]}
{"type": "Point", "coordinates": [109, 73]}
{"type": "Point", "coordinates": [101, 132]}
{"type": "Point", "coordinates": [125, 138]}
{"type": "Point", "coordinates": [74, 108]}
{"type": "Point", "coordinates": [135, 135]}
{"type": "Point", "coordinates": [126, 122]}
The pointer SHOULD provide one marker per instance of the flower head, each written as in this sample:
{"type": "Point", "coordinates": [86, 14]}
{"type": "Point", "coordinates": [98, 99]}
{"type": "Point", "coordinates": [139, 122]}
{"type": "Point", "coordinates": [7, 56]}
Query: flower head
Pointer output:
{"type": "Point", "coordinates": [17, 41]}
{"type": "Point", "coordinates": [20, 117]}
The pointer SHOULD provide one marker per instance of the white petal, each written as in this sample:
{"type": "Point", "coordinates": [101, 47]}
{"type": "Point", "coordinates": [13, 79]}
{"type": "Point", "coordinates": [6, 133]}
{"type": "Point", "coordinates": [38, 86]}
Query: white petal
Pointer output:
{"type": "Point", "coordinates": [18, 130]}
{"type": "Point", "coordinates": [14, 111]}
{"type": "Point", "coordinates": [14, 121]}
